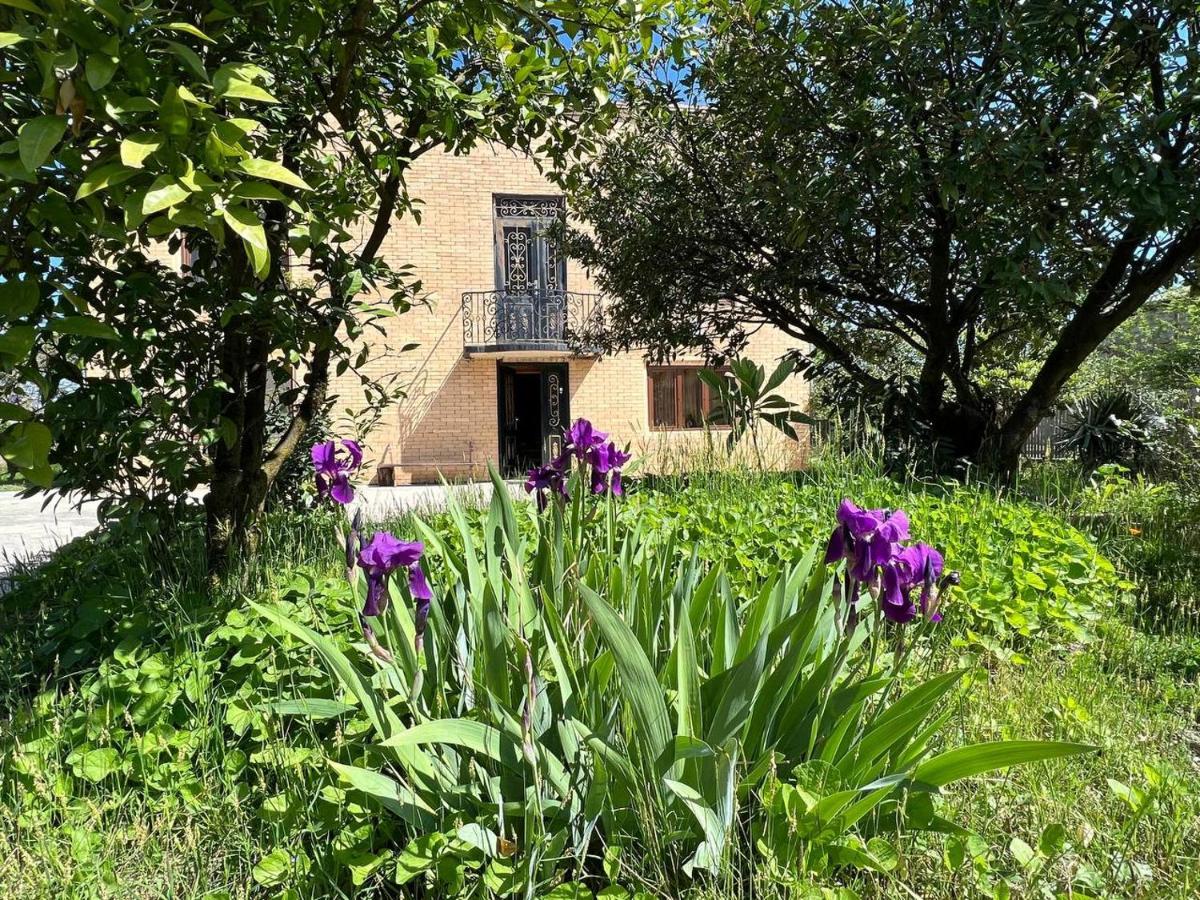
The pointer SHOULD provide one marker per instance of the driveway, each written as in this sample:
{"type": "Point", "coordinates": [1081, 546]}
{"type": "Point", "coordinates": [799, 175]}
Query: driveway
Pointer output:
{"type": "Point", "coordinates": [31, 528]}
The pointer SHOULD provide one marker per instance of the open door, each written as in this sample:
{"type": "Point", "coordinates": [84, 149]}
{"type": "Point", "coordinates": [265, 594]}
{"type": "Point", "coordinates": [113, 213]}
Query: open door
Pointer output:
{"type": "Point", "coordinates": [533, 412]}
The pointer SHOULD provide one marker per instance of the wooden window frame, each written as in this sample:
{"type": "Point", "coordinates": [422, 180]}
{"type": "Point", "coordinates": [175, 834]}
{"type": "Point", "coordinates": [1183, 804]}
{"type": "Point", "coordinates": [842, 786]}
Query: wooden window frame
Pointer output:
{"type": "Point", "coordinates": [706, 397]}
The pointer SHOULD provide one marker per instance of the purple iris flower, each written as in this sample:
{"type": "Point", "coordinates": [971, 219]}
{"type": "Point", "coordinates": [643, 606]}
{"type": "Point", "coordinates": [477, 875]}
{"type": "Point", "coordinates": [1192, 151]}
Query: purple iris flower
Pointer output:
{"type": "Point", "coordinates": [582, 437]}
{"type": "Point", "coordinates": [894, 599]}
{"type": "Point", "coordinates": [606, 461]}
{"type": "Point", "coordinates": [866, 538]}
{"type": "Point", "coordinates": [591, 448]}
{"type": "Point", "coordinates": [916, 567]}
{"type": "Point", "coordinates": [334, 466]}
{"type": "Point", "coordinates": [383, 555]}
{"type": "Point", "coordinates": [550, 477]}
{"type": "Point", "coordinates": [924, 565]}
{"type": "Point", "coordinates": [871, 542]}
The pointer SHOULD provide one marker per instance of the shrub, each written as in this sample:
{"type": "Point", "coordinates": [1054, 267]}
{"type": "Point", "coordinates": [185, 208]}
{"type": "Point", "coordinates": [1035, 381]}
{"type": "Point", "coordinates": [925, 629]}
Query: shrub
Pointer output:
{"type": "Point", "coordinates": [1113, 427]}
{"type": "Point", "coordinates": [1025, 573]}
{"type": "Point", "coordinates": [580, 696]}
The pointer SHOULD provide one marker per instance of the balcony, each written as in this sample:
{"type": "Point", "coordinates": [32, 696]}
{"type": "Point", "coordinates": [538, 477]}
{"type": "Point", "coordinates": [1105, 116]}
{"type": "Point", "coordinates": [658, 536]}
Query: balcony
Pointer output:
{"type": "Point", "coordinates": [555, 322]}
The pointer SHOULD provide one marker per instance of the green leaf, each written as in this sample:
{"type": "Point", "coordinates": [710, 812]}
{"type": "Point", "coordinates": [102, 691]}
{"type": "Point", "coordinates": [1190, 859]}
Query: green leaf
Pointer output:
{"type": "Point", "coordinates": [96, 765]}
{"type": "Point", "coordinates": [11, 412]}
{"type": "Point", "coordinates": [381, 718]}
{"type": "Point", "coordinates": [641, 688]}
{"type": "Point", "coordinates": [975, 759]}
{"type": "Point", "coordinates": [248, 227]}
{"type": "Point", "coordinates": [17, 341]}
{"type": "Point", "coordinates": [273, 868]}
{"type": "Point", "coordinates": [395, 797]}
{"type": "Point", "coordinates": [137, 147]}
{"type": "Point", "coordinates": [26, 445]}
{"type": "Point", "coordinates": [173, 116]}
{"type": "Point", "coordinates": [188, 28]}
{"type": "Point", "coordinates": [38, 137]}
{"type": "Point", "coordinates": [165, 192]}
{"type": "Point", "coordinates": [84, 326]}
{"type": "Point", "coordinates": [259, 190]}
{"type": "Point", "coordinates": [190, 58]}
{"type": "Point", "coordinates": [1022, 852]}
{"type": "Point", "coordinates": [9, 38]}
{"type": "Point", "coordinates": [310, 708]}
{"type": "Point", "coordinates": [273, 171]}
{"type": "Point", "coordinates": [100, 68]}
{"type": "Point", "coordinates": [103, 177]}
{"type": "Point", "coordinates": [23, 4]}
{"type": "Point", "coordinates": [570, 890]}
{"type": "Point", "coordinates": [235, 88]}
{"type": "Point", "coordinates": [18, 298]}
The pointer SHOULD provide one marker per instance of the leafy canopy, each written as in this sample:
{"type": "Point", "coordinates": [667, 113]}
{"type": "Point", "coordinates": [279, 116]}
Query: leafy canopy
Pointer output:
{"type": "Point", "coordinates": [922, 192]}
{"type": "Point", "coordinates": [271, 139]}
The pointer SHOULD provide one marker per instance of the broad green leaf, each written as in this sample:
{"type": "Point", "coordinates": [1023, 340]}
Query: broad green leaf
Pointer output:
{"type": "Point", "coordinates": [310, 708]}
{"type": "Point", "coordinates": [100, 68]}
{"type": "Point", "coordinates": [190, 58]}
{"type": "Point", "coordinates": [96, 765]}
{"type": "Point", "coordinates": [382, 719]}
{"type": "Point", "coordinates": [248, 227]}
{"type": "Point", "coordinates": [9, 38]}
{"type": "Point", "coordinates": [11, 412]}
{"type": "Point", "coordinates": [173, 116]}
{"type": "Point", "coordinates": [641, 689]}
{"type": "Point", "coordinates": [237, 89]}
{"type": "Point", "coordinates": [17, 341]}
{"type": "Point", "coordinates": [259, 190]}
{"type": "Point", "coordinates": [26, 445]}
{"type": "Point", "coordinates": [17, 298]}
{"type": "Point", "coordinates": [402, 800]}
{"type": "Point", "coordinates": [468, 733]}
{"type": "Point", "coordinates": [137, 147]}
{"type": "Point", "coordinates": [273, 868]}
{"type": "Point", "coordinates": [37, 138]}
{"type": "Point", "coordinates": [571, 890]}
{"type": "Point", "coordinates": [688, 714]}
{"type": "Point", "coordinates": [188, 28]}
{"type": "Point", "coordinates": [103, 177]}
{"type": "Point", "coordinates": [273, 171]}
{"type": "Point", "coordinates": [975, 759]}
{"type": "Point", "coordinates": [26, 5]}
{"type": "Point", "coordinates": [84, 326]}
{"type": "Point", "coordinates": [165, 192]}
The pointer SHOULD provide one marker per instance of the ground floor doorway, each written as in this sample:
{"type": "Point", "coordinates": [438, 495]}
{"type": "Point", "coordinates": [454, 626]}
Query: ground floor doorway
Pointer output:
{"type": "Point", "coordinates": [534, 410]}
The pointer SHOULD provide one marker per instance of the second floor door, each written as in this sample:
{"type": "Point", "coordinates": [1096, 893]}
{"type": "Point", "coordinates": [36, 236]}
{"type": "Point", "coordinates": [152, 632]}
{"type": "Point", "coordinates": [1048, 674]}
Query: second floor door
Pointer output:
{"type": "Point", "coordinates": [528, 261]}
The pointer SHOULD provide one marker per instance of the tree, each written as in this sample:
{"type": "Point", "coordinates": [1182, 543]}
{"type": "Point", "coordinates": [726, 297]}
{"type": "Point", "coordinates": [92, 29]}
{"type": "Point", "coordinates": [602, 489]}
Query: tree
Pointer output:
{"type": "Point", "coordinates": [923, 192]}
{"type": "Point", "coordinates": [272, 140]}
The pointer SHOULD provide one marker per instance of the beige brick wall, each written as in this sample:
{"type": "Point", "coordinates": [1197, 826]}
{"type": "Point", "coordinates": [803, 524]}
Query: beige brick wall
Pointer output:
{"type": "Point", "coordinates": [447, 422]}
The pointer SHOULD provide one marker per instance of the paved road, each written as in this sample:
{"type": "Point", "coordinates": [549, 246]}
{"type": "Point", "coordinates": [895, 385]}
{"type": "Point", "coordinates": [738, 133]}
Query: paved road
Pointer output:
{"type": "Point", "coordinates": [32, 528]}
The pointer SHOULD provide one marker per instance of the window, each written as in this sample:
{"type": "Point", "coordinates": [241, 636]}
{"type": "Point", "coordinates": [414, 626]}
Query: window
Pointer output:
{"type": "Point", "coordinates": [679, 399]}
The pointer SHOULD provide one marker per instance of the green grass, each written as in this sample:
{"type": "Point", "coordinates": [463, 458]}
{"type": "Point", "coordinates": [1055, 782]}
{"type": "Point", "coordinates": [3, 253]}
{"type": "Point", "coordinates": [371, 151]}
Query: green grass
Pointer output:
{"type": "Point", "coordinates": [212, 797]}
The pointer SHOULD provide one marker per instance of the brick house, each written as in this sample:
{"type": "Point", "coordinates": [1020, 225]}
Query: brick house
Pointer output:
{"type": "Point", "coordinates": [497, 372]}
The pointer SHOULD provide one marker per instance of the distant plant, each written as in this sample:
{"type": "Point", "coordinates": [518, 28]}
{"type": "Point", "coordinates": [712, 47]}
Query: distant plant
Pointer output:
{"type": "Point", "coordinates": [747, 398]}
{"type": "Point", "coordinates": [1113, 427]}
{"type": "Point", "coordinates": [1016, 592]}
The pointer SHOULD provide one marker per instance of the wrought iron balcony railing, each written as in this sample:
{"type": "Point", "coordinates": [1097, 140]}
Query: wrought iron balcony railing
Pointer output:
{"type": "Point", "coordinates": [495, 321]}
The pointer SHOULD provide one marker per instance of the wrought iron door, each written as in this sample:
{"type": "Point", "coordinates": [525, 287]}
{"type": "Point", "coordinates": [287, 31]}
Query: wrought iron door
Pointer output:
{"type": "Point", "coordinates": [527, 392]}
{"type": "Point", "coordinates": [531, 274]}
{"type": "Point", "coordinates": [556, 413]}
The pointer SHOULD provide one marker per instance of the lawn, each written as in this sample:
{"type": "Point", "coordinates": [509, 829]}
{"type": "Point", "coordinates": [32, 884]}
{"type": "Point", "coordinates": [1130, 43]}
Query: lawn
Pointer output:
{"type": "Point", "coordinates": [163, 738]}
